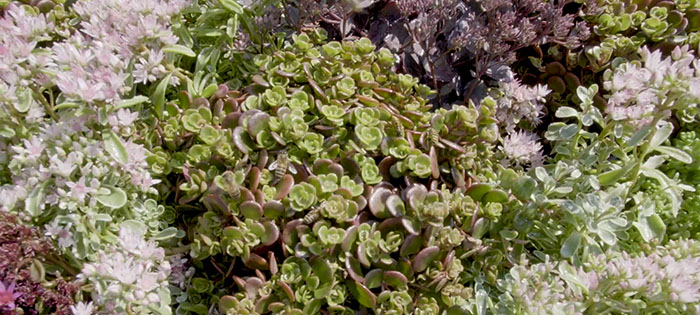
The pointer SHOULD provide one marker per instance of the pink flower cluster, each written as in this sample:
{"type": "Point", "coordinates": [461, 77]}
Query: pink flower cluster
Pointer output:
{"type": "Point", "coordinates": [638, 92]}
{"type": "Point", "coordinates": [92, 64]}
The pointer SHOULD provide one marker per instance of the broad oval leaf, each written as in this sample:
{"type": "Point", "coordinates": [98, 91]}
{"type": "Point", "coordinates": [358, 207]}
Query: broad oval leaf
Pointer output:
{"type": "Point", "coordinates": [166, 234]}
{"type": "Point", "coordinates": [115, 198]}
{"type": "Point", "coordinates": [425, 257]}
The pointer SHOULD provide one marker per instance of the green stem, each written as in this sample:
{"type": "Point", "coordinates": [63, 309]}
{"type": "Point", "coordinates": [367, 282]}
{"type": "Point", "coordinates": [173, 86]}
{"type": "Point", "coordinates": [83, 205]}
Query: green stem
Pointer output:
{"type": "Point", "coordinates": [48, 107]}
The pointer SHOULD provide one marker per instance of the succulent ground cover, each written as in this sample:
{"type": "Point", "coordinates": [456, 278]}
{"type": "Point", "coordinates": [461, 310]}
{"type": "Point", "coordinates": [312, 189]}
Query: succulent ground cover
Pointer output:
{"type": "Point", "coordinates": [343, 157]}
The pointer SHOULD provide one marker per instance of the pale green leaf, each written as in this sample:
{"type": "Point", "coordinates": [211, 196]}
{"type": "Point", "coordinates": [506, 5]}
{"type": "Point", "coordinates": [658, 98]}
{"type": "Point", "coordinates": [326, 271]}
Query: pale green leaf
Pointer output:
{"type": "Point", "coordinates": [675, 153]}
{"type": "Point", "coordinates": [571, 245]}
{"type": "Point", "coordinates": [130, 102]}
{"type": "Point", "coordinates": [661, 135]}
{"type": "Point", "coordinates": [113, 144]}
{"type": "Point", "coordinates": [232, 5]}
{"type": "Point", "coordinates": [166, 234]}
{"type": "Point", "coordinates": [565, 111]}
{"type": "Point", "coordinates": [116, 198]}
{"type": "Point", "coordinates": [179, 49]}
{"type": "Point", "coordinates": [33, 202]}
{"type": "Point", "coordinates": [158, 96]}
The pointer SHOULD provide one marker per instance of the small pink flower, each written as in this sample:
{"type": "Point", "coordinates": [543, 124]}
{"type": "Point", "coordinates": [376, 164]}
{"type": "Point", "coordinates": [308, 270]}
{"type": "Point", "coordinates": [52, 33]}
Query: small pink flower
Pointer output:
{"type": "Point", "coordinates": [7, 295]}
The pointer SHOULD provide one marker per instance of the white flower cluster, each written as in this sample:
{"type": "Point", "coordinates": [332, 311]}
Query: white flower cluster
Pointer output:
{"type": "Point", "coordinates": [92, 64]}
{"type": "Point", "coordinates": [67, 170]}
{"type": "Point", "coordinates": [21, 62]}
{"type": "Point", "coordinates": [520, 102]}
{"type": "Point", "coordinates": [133, 275]}
{"type": "Point", "coordinates": [639, 91]}
{"type": "Point", "coordinates": [667, 280]}
{"type": "Point", "coordinates": [537, 289]}
{"type": "Point", "coordinates": [523, 148]}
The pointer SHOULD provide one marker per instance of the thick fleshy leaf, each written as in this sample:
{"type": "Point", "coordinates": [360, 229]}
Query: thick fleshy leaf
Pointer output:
{"type": "Point", "coordinates": [496, 196]}
{"type": "Point", "coordinates": [377, 202]}
{"type": "Point", "coordinates": [523, 187]}
{"type": "Point", "coordinates": [411, 245]}
{"type": "Point", "coordinates": [112, 197]}
{"type": "Point", "coordinates": [571, 245]}
{"type": "Point", "coordinates": [166, 234]}
{"type": "Point", "coordinates": [354, 269]}
{"type": "Point", "coordinates": [226, 303]}
{"type": "Point", "coordinates": [256, 262]}
{"type": "Point", "coordinates": [395, 206]}
{"type": "Point", "coordinates": [349, 240]}
{"type": "Point", "coordinates": [284, 186]}
{"type": "Point", "coordinates": [272, 233]}
{"type": "Point", "coordinates": [251, 210]}
{"type": "Point", "coordinates": [322, 269]}
{"type": "Point", "coordinates": [273, 209]}
{"type": "Point", "coordinates": [477, 191]}
{"type": "Point", "coordinates": [363, 295]}
{"type": "Point", "coordinates": [374, 278]}
{"type": "Point", "coordinates": [425, 257]}
{"type": "Point", "coordinates": [395, 279]}
{"type": "Point", "coordinates": [411, 225]}
{"type": "Point", "coordinates": [287, 290]}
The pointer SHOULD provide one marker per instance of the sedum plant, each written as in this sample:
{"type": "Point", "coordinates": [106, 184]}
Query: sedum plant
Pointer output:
{"type": "Point", "coordinates": [327, 149]}
{"type": "Point", "coordinates": [372, 157]}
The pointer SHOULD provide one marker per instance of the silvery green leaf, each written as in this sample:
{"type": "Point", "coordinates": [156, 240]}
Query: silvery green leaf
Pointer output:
{"type": "Point", "coordinates": [166, 234]}
{"type": "Point", "coordinates": [618, 130]}
{"type": "Point", "coordinates": [607, 236]}
{"type": "Point", "coordinates": [542, 175]}
{"type": "Point", "coordinates": [232, 5]}
{"type": "Point", "coordinates": [33, 203]}
{"type": "Point", "coordinates": [587, 119]}
{"type": "Point", "coordinates": [675, 153]}
{"type": "Point", "coordinates": [115, 198]}
{"type": "Point", "coordinates": [568, 132]}
{"type": "Point", "coordinates": [24, 100]}
{"type": "Point", "coordinates": [565, 112]}
{"type": "Point", "coordinates": [563, 190]}
{"type": "Point", "coordinates": [638, 136]}
{"type": "Point", "coordinates": [651, 227]}
{"type": "Point", "coordinates": [661, 135]}
{"type": "Point", "coordinates": [562, 150]}
{"type": "Point", "coordinates": [571, 206]}
{"type": "Point", "coordinates": [136, 226]}
{"type": "Point", "coordinates": [584, 96]}
{"type": "Point", "coordinates": [673, 193]}
{"type": "Point", "coordinates": [571, 245]}
{"type": "Point", "coordinates": [569, 274]}
{"type": "Point", "coordinates": [482, 300]}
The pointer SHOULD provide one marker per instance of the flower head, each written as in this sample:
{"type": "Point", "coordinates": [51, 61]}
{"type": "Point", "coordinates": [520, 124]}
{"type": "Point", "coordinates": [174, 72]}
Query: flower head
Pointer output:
{"type": "Point", "coordinates": [82, 309]}
{"type": "Point", "coordinates": [523, 148]}
{"type": "Point", "coordinates": [8, 295]}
